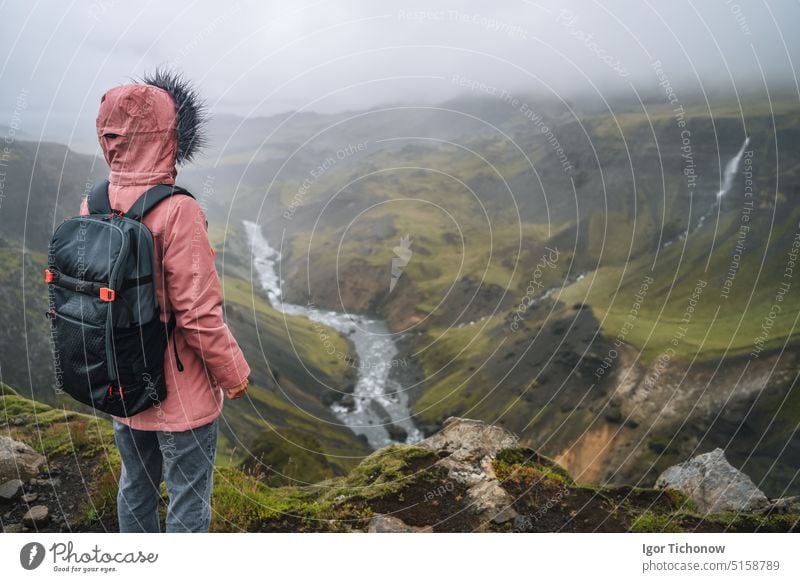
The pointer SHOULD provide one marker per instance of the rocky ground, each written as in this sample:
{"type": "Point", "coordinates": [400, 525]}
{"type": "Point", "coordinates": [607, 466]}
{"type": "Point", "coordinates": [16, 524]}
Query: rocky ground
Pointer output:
{"type": "Point", "coordinates": [58, 473]}
{"type": "Point", "coordinates": [51, 502]}
{"type": "Point", "coordinates": [58, 468]}
{"type": "Point", "coordinates": [475, 477]}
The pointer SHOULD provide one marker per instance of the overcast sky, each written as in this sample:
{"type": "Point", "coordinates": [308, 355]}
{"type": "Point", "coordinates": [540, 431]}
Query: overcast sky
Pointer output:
{"type": "Point", "coordinates": [257, 58]}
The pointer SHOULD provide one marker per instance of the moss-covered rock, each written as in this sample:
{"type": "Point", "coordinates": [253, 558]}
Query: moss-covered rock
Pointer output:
{"type": "Point", "coordinates": [509, 458]}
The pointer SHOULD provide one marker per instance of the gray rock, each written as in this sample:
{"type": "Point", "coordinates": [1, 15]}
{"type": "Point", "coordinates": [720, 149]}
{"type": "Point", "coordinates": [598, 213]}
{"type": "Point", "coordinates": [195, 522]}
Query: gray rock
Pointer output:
{"type": "Point", "coordinates": [470, 440]}
{"type": "Point", "coordinates": [396, 433]}
{"type": "Point", "coordinates": [348, 402]}
{"type": "Point", "coordinates": [785, 505]}
{"type": "Point", "coordinates": [30, 497]}
{"type": "Point", "coordinates": [36, 516]}
{"type": "Point", "coordinates": [490, 499]}
{"type": "Point", "coordinates": [388, 524]}
{"type": "Point", "coordinates": [391, 524]}
{"type": "Point", "coordinates": [18, 460]}
{"type": "Point", "coordinates": [13, 528]}
{"type": "Point", "coordinates": [54, 482]}
{"type": "Point", "coordinates": [714, 484]}
{"type": "Point", "coordinates": [471, 445]}
{"type": "Point", "coordinates": [10, 490]}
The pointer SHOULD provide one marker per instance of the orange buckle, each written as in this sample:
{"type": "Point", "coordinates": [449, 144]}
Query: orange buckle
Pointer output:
{"type": "Point", "coordinates": [107, 294]}
{"type": "Point", "coordinates": [49, 276]}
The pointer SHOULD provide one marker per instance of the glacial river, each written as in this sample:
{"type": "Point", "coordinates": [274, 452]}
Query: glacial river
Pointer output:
{"type": "Point", "coordinates": [379, 401]}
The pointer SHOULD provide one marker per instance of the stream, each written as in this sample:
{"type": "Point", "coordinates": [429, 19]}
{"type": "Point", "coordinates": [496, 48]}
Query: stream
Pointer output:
{"type": "Point", "coordinates": [379, 408]}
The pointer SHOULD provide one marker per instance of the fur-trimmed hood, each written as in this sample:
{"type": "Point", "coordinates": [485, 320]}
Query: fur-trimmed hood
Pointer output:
{"type": "Point", "coordinates": [146, 128]}
{"type": "Point", "coordinates": [190, 112]}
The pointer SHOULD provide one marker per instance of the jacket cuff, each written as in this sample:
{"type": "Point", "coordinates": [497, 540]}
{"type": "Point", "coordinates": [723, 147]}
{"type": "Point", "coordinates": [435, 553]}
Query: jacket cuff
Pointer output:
{"type": "Point", "coordinates": [234, 373]}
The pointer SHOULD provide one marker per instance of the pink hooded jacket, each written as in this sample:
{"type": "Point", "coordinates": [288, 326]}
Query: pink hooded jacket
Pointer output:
{"type": "Point", "coordinates": [136, 126]}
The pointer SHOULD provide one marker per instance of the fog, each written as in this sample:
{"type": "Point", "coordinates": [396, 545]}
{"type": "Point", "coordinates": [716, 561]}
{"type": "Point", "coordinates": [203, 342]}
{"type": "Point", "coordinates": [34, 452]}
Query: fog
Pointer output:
{"type": "Point", "coordinates": [254, 58]}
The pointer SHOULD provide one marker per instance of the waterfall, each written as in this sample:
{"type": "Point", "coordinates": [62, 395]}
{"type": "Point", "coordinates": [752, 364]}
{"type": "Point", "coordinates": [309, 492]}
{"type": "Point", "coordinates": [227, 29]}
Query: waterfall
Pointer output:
{"type": "Point", "coordinates": [727, 182]}
{"type": "Point", "coordinates": [730, 170]}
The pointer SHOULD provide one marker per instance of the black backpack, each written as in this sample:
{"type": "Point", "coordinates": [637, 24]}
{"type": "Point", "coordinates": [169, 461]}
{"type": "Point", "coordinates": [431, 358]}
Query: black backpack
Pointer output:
{"type": "Point", "coordinates": [108, 339]}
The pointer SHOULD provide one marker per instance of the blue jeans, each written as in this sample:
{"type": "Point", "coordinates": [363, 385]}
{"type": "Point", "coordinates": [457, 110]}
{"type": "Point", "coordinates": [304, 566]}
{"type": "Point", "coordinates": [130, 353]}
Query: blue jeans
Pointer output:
{"type": "Point", "coordinates": [186, 462]}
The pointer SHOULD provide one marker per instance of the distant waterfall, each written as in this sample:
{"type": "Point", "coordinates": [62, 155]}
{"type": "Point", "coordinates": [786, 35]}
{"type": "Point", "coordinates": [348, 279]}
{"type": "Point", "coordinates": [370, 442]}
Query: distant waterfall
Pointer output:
{"type": "Point", "coordinates": [730, 170]}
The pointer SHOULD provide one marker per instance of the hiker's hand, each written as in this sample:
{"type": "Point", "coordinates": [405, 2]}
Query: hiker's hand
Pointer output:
{"type": "Point", "coordinates": [238, 391]}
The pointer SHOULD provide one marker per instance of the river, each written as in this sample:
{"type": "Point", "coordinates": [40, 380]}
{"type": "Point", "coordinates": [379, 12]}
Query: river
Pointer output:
{"type": "Point", "coordinates": [379, 409]}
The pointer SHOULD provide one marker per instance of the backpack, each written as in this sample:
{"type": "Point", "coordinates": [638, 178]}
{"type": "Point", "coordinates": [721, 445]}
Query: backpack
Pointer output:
{"type": "Point", "coordinates": [107, 335]}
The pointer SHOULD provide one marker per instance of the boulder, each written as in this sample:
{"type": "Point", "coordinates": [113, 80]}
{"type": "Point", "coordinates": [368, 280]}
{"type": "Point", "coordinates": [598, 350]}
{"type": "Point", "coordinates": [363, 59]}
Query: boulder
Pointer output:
{"type": "Point", "coordinates": [714, 484]}
{"type": "Point", "coordinates": [18, 460]}
{"type": "Point", "coordinates": [397, 433]}
{"type": "Point", "coordinates": [470, 446]}
{"type": "Point", "coordinates": [36, 516]}
{"type": "Point", "coordinates": [470, 440]}
{"type": "Point", "coordinates": [10, 490]}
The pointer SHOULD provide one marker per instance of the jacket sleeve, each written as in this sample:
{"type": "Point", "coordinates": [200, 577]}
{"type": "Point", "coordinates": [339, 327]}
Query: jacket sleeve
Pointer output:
{"type": "Point", "coordinates": [195, 294]}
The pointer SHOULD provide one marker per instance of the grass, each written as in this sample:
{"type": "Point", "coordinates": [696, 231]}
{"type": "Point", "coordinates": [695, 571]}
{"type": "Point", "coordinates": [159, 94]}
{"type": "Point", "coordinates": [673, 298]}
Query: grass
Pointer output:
{"type": "Point", "coordinates": [242, 501]}
{"type": "Point", "coordinates": [298, 334]}
{"type": "Point", "coordinates": [54, 431]}
{"type": "Point", "coordinates": [738, 318]}
{"type": "Point", "coordinates": [509, 461]}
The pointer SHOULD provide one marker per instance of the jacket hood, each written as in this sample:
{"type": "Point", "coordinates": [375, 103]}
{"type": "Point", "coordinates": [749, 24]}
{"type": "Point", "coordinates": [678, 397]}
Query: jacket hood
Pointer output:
{"type": "Point", "coordinates": [146, 128]}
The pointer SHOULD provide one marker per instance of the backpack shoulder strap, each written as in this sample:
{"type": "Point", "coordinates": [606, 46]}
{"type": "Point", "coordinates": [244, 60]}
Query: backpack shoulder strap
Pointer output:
{"type": "Point", "coordinates": [98, 199]}
{"type": "Point", "coordinates": [147, 201]}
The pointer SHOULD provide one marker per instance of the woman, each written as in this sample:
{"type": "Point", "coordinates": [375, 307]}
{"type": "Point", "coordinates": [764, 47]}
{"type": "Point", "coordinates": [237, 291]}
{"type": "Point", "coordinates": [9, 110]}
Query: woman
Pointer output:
{"type": "Point", "coordinates": [145, 129]}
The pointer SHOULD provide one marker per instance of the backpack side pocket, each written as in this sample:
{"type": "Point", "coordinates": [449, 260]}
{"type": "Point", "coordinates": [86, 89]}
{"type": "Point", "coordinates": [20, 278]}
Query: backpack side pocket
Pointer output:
{"type": "Point", "coordinates": [80, 358]}
{"type": "Point", "coordinates": [140, 372]}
